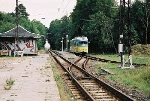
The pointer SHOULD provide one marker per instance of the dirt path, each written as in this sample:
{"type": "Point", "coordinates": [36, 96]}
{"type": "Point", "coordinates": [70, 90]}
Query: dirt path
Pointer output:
{"type": "Point", "coordinates": [33, 80]}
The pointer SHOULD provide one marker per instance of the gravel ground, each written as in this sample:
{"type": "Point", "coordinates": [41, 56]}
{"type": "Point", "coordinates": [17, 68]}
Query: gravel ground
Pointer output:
{"type": "Point", "coordinates": [33, 79]}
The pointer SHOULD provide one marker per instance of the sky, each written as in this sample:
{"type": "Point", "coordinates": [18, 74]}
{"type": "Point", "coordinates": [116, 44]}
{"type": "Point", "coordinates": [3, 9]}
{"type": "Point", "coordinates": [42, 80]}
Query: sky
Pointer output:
{"type": "Point", "coordinates": [42, 10]}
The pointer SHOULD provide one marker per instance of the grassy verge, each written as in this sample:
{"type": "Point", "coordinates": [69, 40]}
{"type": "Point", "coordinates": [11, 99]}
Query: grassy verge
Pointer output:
{"type": "Point", "coordinates": [63, 90]}
{"type": "Point", "coordinates": [136, 59]}
{"type": "Point", "coordinates": [138, 78]}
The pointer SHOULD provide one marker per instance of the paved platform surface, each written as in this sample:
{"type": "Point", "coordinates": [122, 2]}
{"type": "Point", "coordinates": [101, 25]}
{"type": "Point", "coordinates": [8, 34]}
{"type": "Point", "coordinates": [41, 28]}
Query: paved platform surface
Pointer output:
{"type": "Point", "coordinates": [33, 79]}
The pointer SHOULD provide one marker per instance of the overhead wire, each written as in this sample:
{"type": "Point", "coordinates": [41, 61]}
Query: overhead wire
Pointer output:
{"type": "Point", "coordinates": [67, 4]}
{"type": "Point", "coordinates": [63, 9]}
{"type": "Point", "coordinates": [60, 6]}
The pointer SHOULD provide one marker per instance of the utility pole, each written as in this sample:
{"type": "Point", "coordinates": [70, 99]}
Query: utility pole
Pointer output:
{"type": "Point", "coordinates": [66, 42]}
{"type": "Point", "coordinates": [62, 44]}
{"type": "Point", "coordinates": [16, 32]}
{"type": "Point", "coordinates": [121, 31]}
{"type": "Point", "coordinates": [125, 32]}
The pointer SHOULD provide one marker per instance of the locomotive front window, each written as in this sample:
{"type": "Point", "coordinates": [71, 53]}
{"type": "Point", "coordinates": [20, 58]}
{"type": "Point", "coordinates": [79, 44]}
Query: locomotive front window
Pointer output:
{"type": "Point", "coordinates": [83, 42]}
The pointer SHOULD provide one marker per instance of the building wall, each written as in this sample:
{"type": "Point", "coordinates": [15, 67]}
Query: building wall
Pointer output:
{"type": "Point", "coordinates": [28, 46]}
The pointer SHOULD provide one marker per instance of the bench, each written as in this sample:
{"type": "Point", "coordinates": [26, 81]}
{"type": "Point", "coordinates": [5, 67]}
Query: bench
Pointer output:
{"type": "Point", "coordinates": [3, 52]}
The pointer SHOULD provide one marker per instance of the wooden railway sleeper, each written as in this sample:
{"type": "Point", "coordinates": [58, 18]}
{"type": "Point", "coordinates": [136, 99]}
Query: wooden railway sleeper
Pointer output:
{"type": "Point", "coordinates": [106, 86]}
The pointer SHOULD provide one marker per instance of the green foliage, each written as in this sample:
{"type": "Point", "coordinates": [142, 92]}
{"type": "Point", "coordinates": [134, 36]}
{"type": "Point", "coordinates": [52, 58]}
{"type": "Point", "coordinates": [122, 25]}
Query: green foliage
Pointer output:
{"type": "Point", "coordinates": [138, 78]}
{"type": "Point", "coordinates": [22, 11]}
{"type": "Point", "coordinates": [81, 14]}
{"type": "Point", "coordinates": [141, 22]}
{"type": "Point", "coordinates": [58, 29]}
{"type": "Point", "coordinates": [9, 83]}
{"type": "Point", "coordinates": [96, 19]}
{"type": "Point", "coordinates": [99, 21]}
{"type": "Point", "coordinates": [93, 18]}
{"type": "Point", "coordinates": [63, 88]}
{"type": "Point", "coordinates": [8, 21]}
{"type": "Point", "coordinates": [38, 28]}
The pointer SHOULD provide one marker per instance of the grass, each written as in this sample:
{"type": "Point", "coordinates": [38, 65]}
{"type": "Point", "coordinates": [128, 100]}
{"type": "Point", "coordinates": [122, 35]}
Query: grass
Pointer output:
{"type": "Point", "coordinates": [138, 78]}
{"type": "Point", "coordinates": [136, 59]}
{"type": "Point", "coordinates": [9, 83]}
{"type": "Point", "coordinates": [64, 93]}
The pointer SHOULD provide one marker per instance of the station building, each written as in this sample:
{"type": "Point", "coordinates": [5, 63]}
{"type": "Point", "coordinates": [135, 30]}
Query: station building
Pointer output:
{"type": "Point", "coordinates": [26, 43]}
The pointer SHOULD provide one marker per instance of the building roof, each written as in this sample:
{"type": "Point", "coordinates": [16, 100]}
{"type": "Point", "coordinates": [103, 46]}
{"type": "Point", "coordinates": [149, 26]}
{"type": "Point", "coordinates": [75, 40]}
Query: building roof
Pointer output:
{"type": "Point", "coordinates": [22, 33]}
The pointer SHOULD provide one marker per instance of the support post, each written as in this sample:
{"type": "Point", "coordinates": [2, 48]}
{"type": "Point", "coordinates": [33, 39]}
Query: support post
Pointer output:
{"type": "Point", "coordinates": [125, 30]}
{"type": "Point", "coordinates": [66, 42]}
{"type": "Point", "coordinates": [62, 44]}
{"type": "Point", "coordinates": [16, 33]}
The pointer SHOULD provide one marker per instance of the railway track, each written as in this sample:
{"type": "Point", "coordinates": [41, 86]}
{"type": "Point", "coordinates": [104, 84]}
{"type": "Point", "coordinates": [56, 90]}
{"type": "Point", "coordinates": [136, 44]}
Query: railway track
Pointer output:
{"type": "Point", "coordinates": [110, 61]}
{"type": "Point", "coordinates": [83, 85]}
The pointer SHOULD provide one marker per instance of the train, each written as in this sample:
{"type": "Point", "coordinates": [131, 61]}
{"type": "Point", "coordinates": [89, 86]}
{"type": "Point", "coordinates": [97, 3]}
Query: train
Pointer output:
{"type": "Point", "coordinates": [79, 45]}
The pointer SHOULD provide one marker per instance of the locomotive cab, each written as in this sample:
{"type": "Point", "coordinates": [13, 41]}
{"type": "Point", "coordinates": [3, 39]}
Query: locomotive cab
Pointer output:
{"type": "Point", "coordinates": [82, 46]}
{"type": "Point", "coordinates": [79, 45]}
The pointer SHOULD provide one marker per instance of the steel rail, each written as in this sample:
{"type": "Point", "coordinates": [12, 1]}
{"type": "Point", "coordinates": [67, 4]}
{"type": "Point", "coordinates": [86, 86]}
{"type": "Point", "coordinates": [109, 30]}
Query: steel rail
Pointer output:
{"type": "Point", "coordinates": [90, 98]}
{"type": "Point", "coordinates": [114, 91]}
{"type": "Point", "coordinates": [105, 60]}
{"type": "Point", "coordinates": [84, 63]}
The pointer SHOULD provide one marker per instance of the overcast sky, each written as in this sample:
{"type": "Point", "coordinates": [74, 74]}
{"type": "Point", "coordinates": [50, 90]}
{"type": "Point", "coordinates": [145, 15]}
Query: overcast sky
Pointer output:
{"type": "Point", "coordinates": [38, 9]}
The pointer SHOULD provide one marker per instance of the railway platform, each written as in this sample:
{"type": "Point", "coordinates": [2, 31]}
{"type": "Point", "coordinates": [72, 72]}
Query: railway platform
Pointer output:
{"type": "Point", "coordinates": [32, 76]}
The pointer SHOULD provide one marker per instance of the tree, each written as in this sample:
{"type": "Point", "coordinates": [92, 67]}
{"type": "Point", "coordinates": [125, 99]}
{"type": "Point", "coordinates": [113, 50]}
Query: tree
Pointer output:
{"type": "Point", "coordinates": [141, 21]}
{"type": "Point", "coordinates": [38, 28]}
{"type": "Point", "coordinates": [58, 29]}
{"type": "Point", "coordinates": [8, 21]}
{"type": "Point", "coordinates": [81, 13]}
{"type": "Point", "coordinates": [146, 22]}
{"type": "Point", "coordinates": [55, 31]}
{"type": "Point", "coordinates": [92, 18]}
{"type": "Point", "coordinates": [22, 11]}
